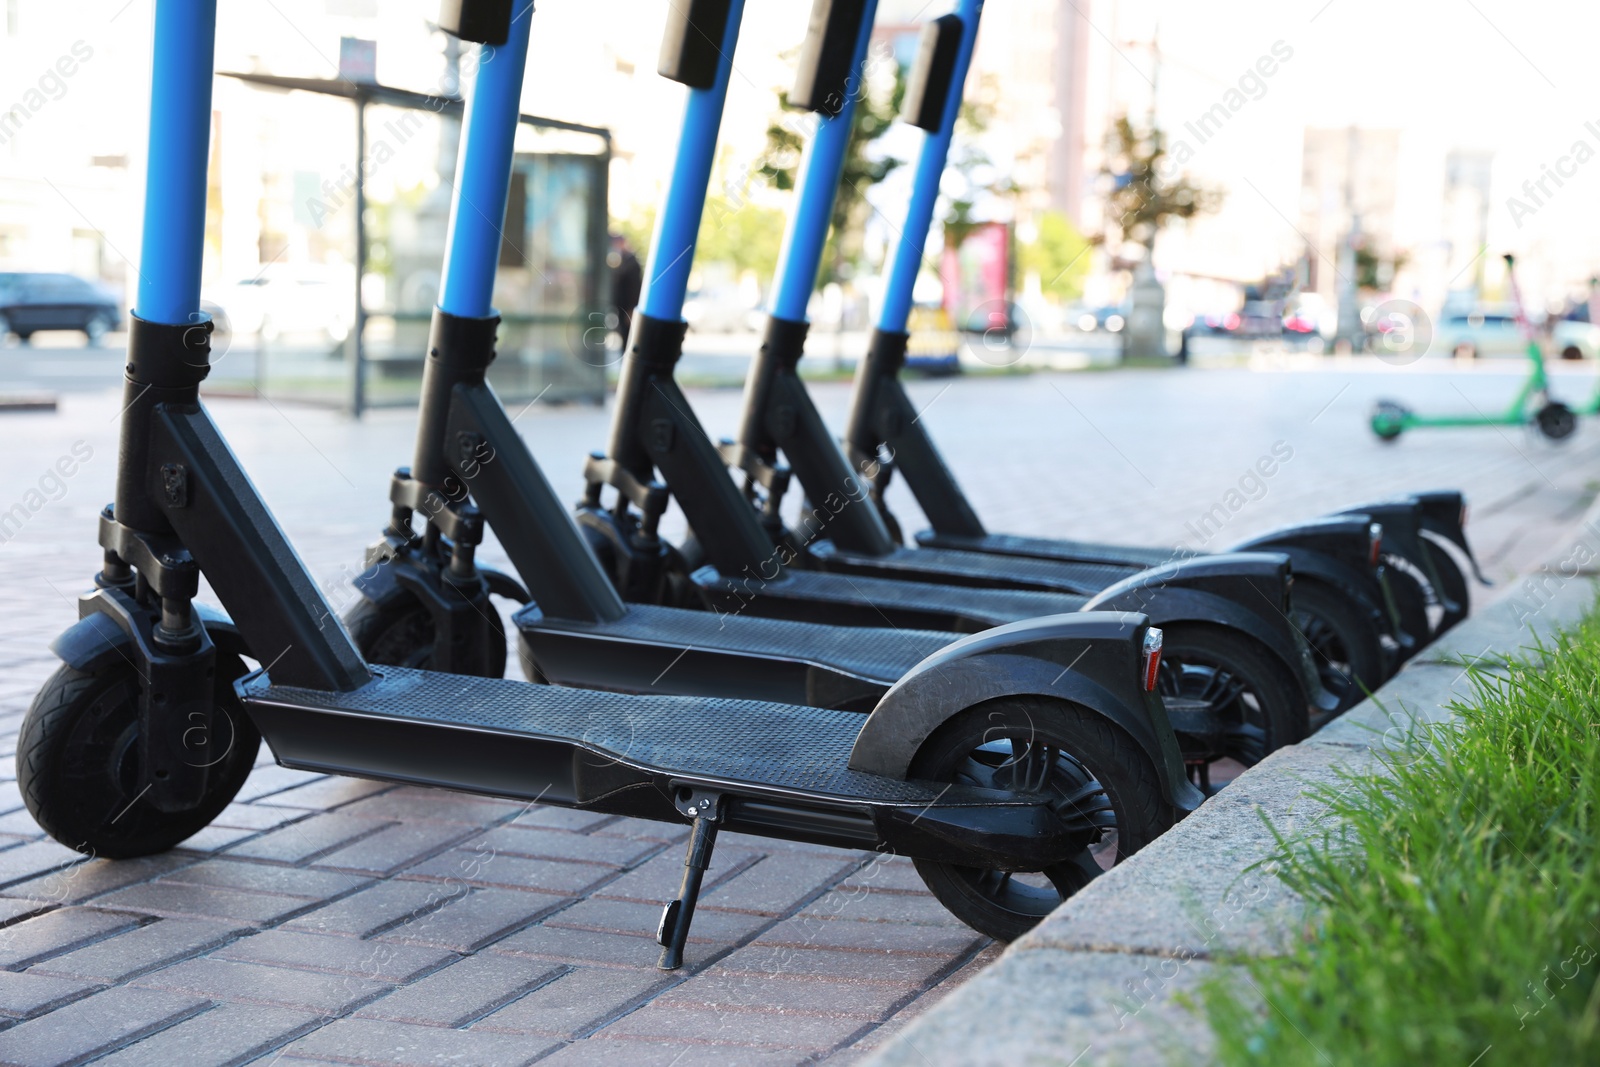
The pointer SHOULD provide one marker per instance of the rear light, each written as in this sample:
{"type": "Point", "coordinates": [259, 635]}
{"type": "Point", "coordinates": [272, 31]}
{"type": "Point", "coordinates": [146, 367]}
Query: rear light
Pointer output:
{"type": "Point", "coordinates": [1152, 658]}
{"type": "Point", "coordinates": [1463, 516]}
{"type": "Point", "coordinates": [1374, 543]}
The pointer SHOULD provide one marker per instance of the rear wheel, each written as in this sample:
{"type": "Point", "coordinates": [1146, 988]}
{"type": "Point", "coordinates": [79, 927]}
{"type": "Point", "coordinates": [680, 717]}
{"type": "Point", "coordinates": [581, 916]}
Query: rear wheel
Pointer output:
{"type": "Point", "coordinates": [401, 633]}
{"type": "Point", "coordinates": [79, 768]}
{"type": "Point", "coordinates": [1556, 421]}
{"type": "Point", "coordinates": [1100, 779]}
{"type": "Point", "coordinates": [1452, 581]}
{"type": "Point", "coordinates": [1408, 589]}
{"type": "Point", "coordinates": [1227, 698]}
{"type": "Point", "coordinates": [1343, 640]}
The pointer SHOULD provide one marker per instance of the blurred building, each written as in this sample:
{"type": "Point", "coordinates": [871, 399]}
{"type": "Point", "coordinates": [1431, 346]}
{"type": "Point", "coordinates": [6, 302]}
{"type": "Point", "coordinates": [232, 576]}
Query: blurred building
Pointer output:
{"type": "Point", "coordinates": [1348, 195]}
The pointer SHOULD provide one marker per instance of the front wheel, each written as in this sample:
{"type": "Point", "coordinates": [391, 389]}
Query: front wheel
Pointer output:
{"type": "Point", "coordinates": [400, 632]}
{"type": "Point", "coordinates": [1228, 698]}
{"type": "Point", "coordinates": [1343, 639]}
{"type": "Point", "coordinates": [1101, 779]}
{"type": "Point", "coordinates": [79, 769]}
{"type": "Point", "coordinates": [1389, 420]}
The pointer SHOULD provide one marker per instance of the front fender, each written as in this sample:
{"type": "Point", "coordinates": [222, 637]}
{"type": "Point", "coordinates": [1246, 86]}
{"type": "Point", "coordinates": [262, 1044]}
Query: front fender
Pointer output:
{"type": "Point", "coordinates": [1247, 592]}
{"type": "Point", "coordinates": [1092, 659]}
{"type": "Point", "coordinates": [97, 640]}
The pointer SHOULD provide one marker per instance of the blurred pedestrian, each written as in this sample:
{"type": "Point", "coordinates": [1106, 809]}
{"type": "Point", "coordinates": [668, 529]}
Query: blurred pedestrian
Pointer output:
{"type": "Point", "coordinates": [627, 279]}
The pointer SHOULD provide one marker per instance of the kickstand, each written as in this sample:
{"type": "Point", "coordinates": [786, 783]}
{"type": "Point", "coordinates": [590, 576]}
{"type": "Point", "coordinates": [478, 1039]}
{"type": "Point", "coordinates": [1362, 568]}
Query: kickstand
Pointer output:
{"type": "Point", "coordinates": [706, 811]}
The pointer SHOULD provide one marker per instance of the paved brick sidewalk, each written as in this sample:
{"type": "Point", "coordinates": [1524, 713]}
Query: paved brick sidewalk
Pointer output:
{"type": "Point", "coordinates": [332, 920]}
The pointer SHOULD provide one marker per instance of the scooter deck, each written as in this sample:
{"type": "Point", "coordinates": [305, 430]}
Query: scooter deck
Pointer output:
{"type": "Point", "coordinates": [500, 737]}
{"type": "Point", "coordinates": [655, 649]}
{"type": "Point", "coordinates": [1052, 548]}
{"type": "Point", "coordinates": [855, 599]}
{"type": "Point", "coordinates": [951, 567]}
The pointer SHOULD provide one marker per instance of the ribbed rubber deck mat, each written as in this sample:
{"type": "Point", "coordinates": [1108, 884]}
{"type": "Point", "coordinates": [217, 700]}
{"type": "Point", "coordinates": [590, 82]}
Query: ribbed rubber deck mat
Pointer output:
{"type": "Point", "coordinates": [880, 653]}
{"type": "Point", "coordinates": [749, 741]}
{"type": "Point", "coordinates": [1053, 549]}
{"type": "Point", "coordinates": [997, 606]}
{"type": "Point", "coordinates": [931, 564]}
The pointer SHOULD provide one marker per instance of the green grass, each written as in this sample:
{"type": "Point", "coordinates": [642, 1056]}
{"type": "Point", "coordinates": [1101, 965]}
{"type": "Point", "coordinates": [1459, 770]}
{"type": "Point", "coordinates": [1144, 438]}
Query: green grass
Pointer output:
{"type": "Point", "coordinates": [1456, 916]}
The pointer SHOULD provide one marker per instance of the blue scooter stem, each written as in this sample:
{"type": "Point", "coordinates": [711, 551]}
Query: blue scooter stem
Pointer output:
{"type": "Point", "coordinates": [807, 232]}
{"type": "Point", "coordinates": [907, 255]}
{"type": "Point", "coordinates": [483, 174]}
{"type": "Point", "coordinates": [678, 224]}
{"type": "Point", "coordinates": [173, 242]}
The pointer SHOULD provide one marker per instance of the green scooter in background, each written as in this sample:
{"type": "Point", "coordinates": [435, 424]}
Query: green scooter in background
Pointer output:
{"type": "Point", "coordinates": [1532, 404]}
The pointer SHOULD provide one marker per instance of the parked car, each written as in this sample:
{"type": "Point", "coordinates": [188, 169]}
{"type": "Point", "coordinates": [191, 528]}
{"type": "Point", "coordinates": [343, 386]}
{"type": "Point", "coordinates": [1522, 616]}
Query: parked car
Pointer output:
{"type": "Point", "coordinates": [1483, 330]}
{"type": "Point", "coordinates": [293, 301]}
{"type": "Point", "coordinates": [32, 302]}
{"type": "Point", "coordinates": [721, 310]}
{"type": "Point", "coordinates": [1110, 319]}
{"type": "Point", "coordinates": [1573, 336]}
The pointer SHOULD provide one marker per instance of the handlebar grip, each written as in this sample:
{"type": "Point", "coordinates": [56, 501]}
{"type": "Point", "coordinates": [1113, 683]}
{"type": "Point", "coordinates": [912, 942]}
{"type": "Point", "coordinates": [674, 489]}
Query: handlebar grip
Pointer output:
{"type": "Point", "coordinates": [691, 46]}
{"type": "Point", "coordinates": [928, 84]}
{"type": "Point", "coordinates": [823, 80]}
{"type": "Point", "coordinates": [480, 21]}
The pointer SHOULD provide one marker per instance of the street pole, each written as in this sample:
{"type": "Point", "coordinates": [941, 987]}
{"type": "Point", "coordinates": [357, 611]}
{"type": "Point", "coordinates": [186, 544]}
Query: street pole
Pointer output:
{"type": "Point", "coordinates": [358, 358]}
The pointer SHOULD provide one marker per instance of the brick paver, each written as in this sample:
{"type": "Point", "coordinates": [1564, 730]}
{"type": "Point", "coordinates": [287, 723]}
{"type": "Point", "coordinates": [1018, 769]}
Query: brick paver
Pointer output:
{"type": "Point", "coordinates": [327, 920]}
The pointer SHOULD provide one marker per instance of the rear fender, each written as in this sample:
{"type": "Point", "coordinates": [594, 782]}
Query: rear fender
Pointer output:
{"type": "Point", "coordinates": [1092, 659]}
{"type": "Point", "coordinates": [1335, 549]}
{"type": "Point", "coordinates": [1245, 591]}
{"type": "Point", "coordinates": [1444, 514]}
{"type": "Point", "coordinates": [1402, 523]}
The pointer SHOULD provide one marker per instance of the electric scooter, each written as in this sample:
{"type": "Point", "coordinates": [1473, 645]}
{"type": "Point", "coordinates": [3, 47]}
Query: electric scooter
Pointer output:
{"type": "Point", "coordinates": [972, 766]}
{"type": "Point", "coordinates": [425, 602]}
{"type": "Point", "coordinates": [1343, 597]}
{"type": "Point", "coordinates": [1531, 406]}
{"type": "Point", "coordinates": [730, 563]}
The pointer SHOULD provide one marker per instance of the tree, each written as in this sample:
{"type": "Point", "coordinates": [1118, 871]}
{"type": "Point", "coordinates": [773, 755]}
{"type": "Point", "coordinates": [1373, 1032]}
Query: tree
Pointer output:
{"type": "Point", "coordinates": [741, 234]}
{"type": "Point", "coordinates": [1144, 196]}
{"type": "Point", "coordinates": [1059, 255]}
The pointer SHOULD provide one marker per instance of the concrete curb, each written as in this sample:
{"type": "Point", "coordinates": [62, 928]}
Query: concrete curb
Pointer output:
{"type": "Point", "coordinates": [1100, 980]}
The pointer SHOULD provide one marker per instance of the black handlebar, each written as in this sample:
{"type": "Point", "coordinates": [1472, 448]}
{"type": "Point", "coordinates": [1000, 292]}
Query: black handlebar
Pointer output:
{"type": "Point", "coordinates": [823, 81]}
{"type": "Point", "coordinates": [928, 85]}
{"type": "Point", "coordinates": [691, 47]}
{"type": "Point", "coordinates": [481, 21]}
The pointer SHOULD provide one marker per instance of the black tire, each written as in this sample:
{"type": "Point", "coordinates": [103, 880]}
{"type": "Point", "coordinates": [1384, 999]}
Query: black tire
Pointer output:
{"type": "Point", "coordinates": [1388, 420]}
{"type": "Point", "coordinates": [1556, 421]}
{"type": "Point", "coordinates": [1344, 641]}
{"type": "Point", "coordinates": [1406, 588]}
{"type": "Point", "coordinates": [1239, 683]}
{"type": "Point", "coordinates": [97, 327]}
{"type": "Point", "coordinates": [1572, 352]}
{"type": "Point", "coordinates": [1081, 748]}
{"type": "Point", "coordinates": [1451, 579]}
{"type": "Point", "coordinates": [78, 768]}
{"type": "Point", "coordinates": [400, 633]}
